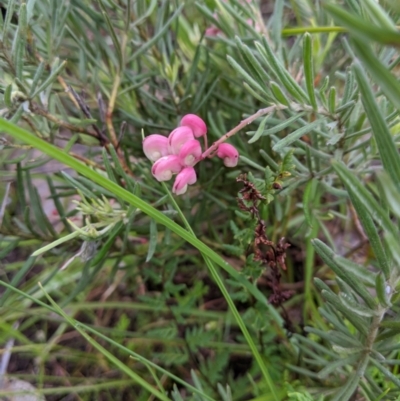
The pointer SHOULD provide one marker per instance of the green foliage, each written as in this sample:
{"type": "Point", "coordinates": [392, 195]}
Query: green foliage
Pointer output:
{"type": "Point", "coordinates": [105, 274]}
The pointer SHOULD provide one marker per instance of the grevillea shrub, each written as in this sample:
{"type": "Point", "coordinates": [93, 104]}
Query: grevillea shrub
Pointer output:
{"type": "Point", "coordinates": [276, 276]}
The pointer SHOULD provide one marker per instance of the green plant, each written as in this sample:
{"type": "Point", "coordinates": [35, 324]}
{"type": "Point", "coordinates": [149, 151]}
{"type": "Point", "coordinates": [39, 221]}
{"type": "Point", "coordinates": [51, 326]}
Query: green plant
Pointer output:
{"type": "Point", "coordinates": [201, 297]}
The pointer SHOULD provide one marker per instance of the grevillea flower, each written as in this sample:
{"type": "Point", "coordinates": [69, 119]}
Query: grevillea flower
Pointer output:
{"type": "Point", "coordinates": [195, 123]}
{"type": "Point", "coordinates": [155, 146]}
{"type": "Point", "coordinates": [186, 177]}
{"type": "Point", "coordinates": [229, 154]}
{"type": "Point", "coordinates": [190, 153]}
{"type": "Point", "coordinates": [177, 138]}
{"type": "Point", "coordinates": [164, 168]}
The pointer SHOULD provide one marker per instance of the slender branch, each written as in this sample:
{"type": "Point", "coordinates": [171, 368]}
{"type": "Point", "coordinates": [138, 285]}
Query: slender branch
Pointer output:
{"type": "Point", "coordinates": [42, 112]}
{"type": "Point", "coordinates": [213, 148]}
{"type": "Point", "coordinates": [262, 112]}
{"type": "Point", "coordinates": [110, 109]}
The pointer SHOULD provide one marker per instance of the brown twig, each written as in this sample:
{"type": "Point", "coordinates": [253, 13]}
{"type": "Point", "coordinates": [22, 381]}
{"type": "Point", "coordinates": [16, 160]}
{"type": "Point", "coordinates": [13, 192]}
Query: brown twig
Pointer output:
{"type": "Point", "coordinates": [35, 108]}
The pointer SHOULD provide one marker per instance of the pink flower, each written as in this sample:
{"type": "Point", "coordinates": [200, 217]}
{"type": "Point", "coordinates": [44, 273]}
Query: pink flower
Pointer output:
{"type": "Point", "coordinates": [177, 138]}
{"type": "Point", "coordinates": [212, 31]}
{"type": "Point", "coordinates": [197, 125]}
{"type": "Point", "coordinates": [155, 146]}
{"type": "Point", "coordinates": [190, 153]}
{"type": "Point", "coordinates": [164, 168]}
{"type": "Point", "coordinates": [186, 177]}
{"type": "Point", "coordinates": [229, 154]}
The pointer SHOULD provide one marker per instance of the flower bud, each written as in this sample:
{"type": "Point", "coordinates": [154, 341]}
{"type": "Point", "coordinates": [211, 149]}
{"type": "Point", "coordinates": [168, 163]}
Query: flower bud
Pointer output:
{"type": "Point", "coordinates": [186, 177]}
{"type": "Point", "coordinates": [229, 154]}
{"type": "Point", "coordinates": [155, 146]}
{"type": "Point", "coordinates": [177, 138]}
{"type": "Point", "coordinates": [163, 168]}
{"type": "Point", "coordinates": [197, 125]}
{"type": "Point", "coordinates": [190, 153]}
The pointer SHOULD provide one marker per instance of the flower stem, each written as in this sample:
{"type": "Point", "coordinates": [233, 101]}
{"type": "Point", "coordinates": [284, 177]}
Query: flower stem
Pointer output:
{"type": "Point", "coordinates": [239, 127]}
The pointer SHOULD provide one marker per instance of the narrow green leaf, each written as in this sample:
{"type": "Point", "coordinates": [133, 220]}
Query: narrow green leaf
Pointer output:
{"type": "Point", "coordinates": [332, 100]}
{"type": "Point", "coordinates": [102, 252]}
{"type": "Point", "coordinates": [309, 68]}
{"type": "Point", "coordinates": [356, 307]}
{"type": "Point", "coordinates": [344, 108]}
{"type": "Point", "coordinates": [41, 220]}
{"type": "Point", "coordinates": [9, 14]}
{"type": "Point", "coordinates": [287, 123]}
{"type": "Point", "coordinates": [362, 29]}
{"type": "Point", "coordinates": [259, 72]}
{"type": "Point", "coordinates": [308, 201]}
{"type": "Point", "coordinates": [294, 136]}
{"type": "Point", "coordinates": [361, 272]}
{"type": "Point", "coordinates": [255, 94]}
{"type": "Point", "coordinates": [36, 78]}
{"type": "Point", "coordinates": [144, 47]}
{"type": "Point", "coordinates": [325, 84]}
{"type": "Point", "coordinates": [384, 140]}
{"type": "Point", "coordinates": [348, 389]}
{"type": "Point", "coordinates": [386, 372]}
{"type": "Point", "coordinates": [30, 5]}
{"type": "Point", "coordinates": [358, 322]}
{"type": "Point", "coordinates": [343, 340]}
{"type": "Point", "coordinates": [333, 366]}
{"type": "Point", "coordinates": [22, 20]}
{"type": "Point", "coordinates": [56, 199]}
{"type": "Point", "coordinates": [7, 96]}
{"type": "Point", "coordinates": [17, 279]}
{"type": "Point", "coordinates": [237, 16]}
{"type": "Point", "coordinates": [372, 233]}
{"type": "Point", "coordinates": [113, 34]}
{"type": "Point", "coordinates": [392, 324]}
{"type": "Point", "coordinates": [152, 240]}
{"type": "Point", "coordinates": [358, 190]}
{"type": "Point", "coordinates": [278, 94]}
{"type": "Point", "coordinates": [55, 71]}
{"type": "Point", "coordinates": [380, 73]}
{"type": "Point", "coordinates": [107, 165]}
{"type": "Point", "coordinates": [77, 185]}
{"type": "Point", "coordinates": [329, 257]}
{"type": "Point", "coordinates": [383, 290]}
{"type": "Point", "coordinates": [376, 12]}
{"type": "Point", "coordinates": [260, 129]}
{"type": "Point", "coordinates": [19, 59]}
{"type": "Point", "coordinates": [280, 71]}
{"type": "Point", "coordinates": [348, 87]}
{"type": "Point", "coordinates": [332, 317]}
{"type": "Point", "coordinates": [55, 243]}
{"type": "Point", "coordinates": [241, 71]}
{"type": "Point", "coordinates": [129, 182]}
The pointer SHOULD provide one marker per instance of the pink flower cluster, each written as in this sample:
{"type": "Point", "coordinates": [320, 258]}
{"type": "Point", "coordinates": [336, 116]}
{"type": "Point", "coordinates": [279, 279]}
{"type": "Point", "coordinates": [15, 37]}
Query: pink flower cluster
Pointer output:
{"type": "Point", "coordinates": [181, 151]}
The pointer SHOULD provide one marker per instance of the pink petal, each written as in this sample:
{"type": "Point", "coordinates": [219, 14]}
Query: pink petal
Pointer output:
{"type": "Point", "coordinates": [190, 153]}
{"type": "Point", "coordinates": [194, 122]}
{"type": "Point", "coordinates": [164, 168]}
{"type": "Point", "coordinates": [229, 154]}
{"type": "Point", "coordinates": [155, 146]}
{"type": "Point", "coordinates": [186, 177]}
{"type": "Point", "coordinates": [212, 31]}
{"type": "Point", "coordinates": [178, 137]}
